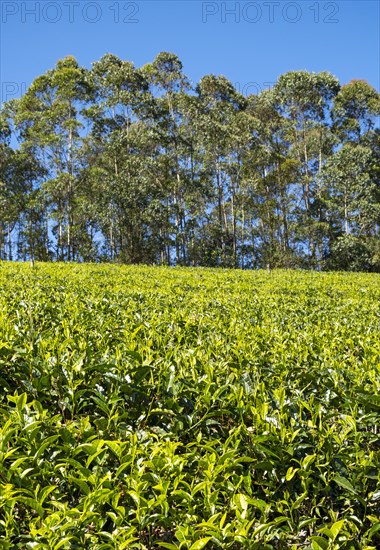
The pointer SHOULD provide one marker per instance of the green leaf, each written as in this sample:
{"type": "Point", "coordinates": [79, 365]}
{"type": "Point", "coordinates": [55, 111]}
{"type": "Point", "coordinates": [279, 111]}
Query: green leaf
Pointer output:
{"type": "Point", "coordinates": [319, 543]}
{"type": "Point", "coordinates": [199, 544]}
{"type": "Point", "coordinates": [336, 528]}
{"type": "Point", "coordinates": [291, 473]}
{"type": "Point", "coordinates": [33, 504]}
{"type": "Point", "coordinates": [343, 482]}
{"type": "Point", "coordinates": [46, 443]}
{"type": "Point", "coordinates": [374, 529]}
{"type": "Point", "coordinates": [21, 402]}
{"type": "Point", "coordinates": [241, 501]}
{"type": "Point", "coordinates": [62, 543]}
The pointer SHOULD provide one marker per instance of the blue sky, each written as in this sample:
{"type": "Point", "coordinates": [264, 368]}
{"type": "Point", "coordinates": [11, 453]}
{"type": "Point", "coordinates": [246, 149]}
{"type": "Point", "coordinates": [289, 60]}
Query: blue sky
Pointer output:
{"type": "Point", "coordinates": [250, 42]}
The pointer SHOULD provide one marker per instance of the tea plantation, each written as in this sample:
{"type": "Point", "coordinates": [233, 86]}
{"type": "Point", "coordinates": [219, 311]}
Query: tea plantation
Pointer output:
{"type": "Point", "coordinates": [148, 407]}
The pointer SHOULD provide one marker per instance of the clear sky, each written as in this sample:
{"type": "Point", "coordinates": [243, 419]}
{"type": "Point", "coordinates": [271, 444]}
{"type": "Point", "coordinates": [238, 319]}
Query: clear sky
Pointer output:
{"type": "Point", "coordinates": [250, 42]}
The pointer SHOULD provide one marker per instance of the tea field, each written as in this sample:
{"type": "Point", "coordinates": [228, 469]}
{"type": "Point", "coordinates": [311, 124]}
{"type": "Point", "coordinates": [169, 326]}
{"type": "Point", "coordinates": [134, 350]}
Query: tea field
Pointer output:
{"type": "Point", "coordinates": [148, 407]}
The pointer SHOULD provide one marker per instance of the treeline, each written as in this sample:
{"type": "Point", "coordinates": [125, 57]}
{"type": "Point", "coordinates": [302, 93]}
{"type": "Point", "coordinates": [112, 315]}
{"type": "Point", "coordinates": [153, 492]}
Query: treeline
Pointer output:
{"type": "Point", "coordinates": [136, 165]}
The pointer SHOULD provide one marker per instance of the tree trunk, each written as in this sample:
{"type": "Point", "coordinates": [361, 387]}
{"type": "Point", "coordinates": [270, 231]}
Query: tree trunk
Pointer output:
{"type": "Point", "coordinates": [10, 256]}
{"type": "Point", "coordinates": [346, 224]}
{"type": "Point", "coordinates": [69, 195]}
{"type": "Point", "coordinates": [242, 236]}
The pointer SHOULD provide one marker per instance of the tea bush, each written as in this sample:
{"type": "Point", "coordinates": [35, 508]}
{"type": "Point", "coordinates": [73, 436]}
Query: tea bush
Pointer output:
{"type": "Point", "coordinates": [146, 407]}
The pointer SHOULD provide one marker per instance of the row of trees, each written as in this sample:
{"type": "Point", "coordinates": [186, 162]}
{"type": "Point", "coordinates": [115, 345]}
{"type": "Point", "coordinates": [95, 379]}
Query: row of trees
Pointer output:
{"type": "Point", "coordinates": [128, 164]}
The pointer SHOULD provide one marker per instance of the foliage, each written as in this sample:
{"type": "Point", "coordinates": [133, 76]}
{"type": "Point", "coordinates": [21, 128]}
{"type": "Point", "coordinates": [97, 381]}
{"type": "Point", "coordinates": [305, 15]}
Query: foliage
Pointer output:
{"type": "Point", "coordinates": [162, 407]}
{"type": "Point", "coordinates": [350, 253]}
{"type": "Point", "coordinates": [138, 165]}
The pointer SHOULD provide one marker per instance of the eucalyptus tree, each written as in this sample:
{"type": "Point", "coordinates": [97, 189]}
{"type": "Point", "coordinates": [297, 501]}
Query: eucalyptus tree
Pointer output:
{"type": "Point", "coordinates": [351, 193]}
{"type": "Point", "coordinates": [7, 210]}
{"type": "Point", "coordinates": [373, 236]}
{"type": "Point", "coordinates": [351, 178]}
{"type": "Point", "coordinates": [170, 87]}
{"type": "Point", "coordinates": [48, 122]}
{"type": "Point", "coordinates": [306, 100]}
{"type": "Point", "coordinates": [271, 175]}
{"type": "Point", "coordinates": [198, 191]}
{"type": "Point", "coordinates": [356, 107]}
{"type": "Point", "coordinates": [23, 221]}
{"type": "Point", "coordinates": [33, 241]}
{"type": "Point", "coordinates": [119, 153]}
{"type": "Point", "coordinates": [222, 126]}
{"type": "Point", "coordinates": [241, 140]}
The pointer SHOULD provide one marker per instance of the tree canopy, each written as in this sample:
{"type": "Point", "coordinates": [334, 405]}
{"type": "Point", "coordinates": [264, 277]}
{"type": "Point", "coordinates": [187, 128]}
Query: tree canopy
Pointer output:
{"type": "Point", "coordinates": [137, 165]}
